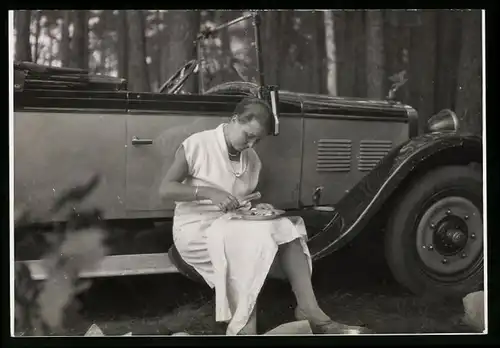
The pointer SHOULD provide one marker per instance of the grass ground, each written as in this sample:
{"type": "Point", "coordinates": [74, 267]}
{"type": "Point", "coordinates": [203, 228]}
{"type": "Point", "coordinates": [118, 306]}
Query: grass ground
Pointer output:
{"type": "Point", "coordinates": [348, 290]}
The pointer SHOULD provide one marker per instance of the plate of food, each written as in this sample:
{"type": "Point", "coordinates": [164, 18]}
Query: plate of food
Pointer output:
{"type": "Point", "coordinates": [257, 214]}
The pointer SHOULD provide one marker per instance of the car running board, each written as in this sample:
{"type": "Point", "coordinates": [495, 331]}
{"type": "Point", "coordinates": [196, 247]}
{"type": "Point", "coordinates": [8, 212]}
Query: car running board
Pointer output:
{"type": "Point", "coordinates": [115, 265]}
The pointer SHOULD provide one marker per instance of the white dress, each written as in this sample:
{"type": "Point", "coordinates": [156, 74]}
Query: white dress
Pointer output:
{"type": "Point", "coordinates": [234, 256]}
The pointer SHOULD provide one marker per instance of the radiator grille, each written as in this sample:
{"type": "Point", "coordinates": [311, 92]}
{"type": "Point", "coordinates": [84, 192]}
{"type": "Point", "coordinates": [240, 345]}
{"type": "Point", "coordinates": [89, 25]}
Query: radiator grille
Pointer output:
{"type": "Point", "coordinates": [371, 152]}
{"type": "Point", "coordinates": [334, 155]}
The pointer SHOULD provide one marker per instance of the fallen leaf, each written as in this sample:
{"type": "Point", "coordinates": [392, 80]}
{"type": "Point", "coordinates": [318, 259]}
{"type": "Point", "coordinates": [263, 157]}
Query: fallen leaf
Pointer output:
{"type": "Point", "coordinates": [94, 330]}
{"type": "Point", "coordinates": [301, 327]}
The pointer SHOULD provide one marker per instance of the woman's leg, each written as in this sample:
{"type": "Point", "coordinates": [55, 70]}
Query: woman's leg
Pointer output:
{"type": "Point", "coordinates": [296, 267]}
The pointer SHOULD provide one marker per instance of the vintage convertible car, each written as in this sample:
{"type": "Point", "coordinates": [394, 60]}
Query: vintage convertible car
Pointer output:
{"type": "Point", "coordinates": [340, 161]}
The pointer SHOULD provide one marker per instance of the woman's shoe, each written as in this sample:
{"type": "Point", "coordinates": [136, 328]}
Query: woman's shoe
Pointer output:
{"type": "Point", "coordinates": [332, 327]}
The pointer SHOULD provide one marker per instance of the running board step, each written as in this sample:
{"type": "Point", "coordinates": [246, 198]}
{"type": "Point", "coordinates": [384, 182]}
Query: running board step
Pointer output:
{"type": "Point", "coordinates": [116, 265]}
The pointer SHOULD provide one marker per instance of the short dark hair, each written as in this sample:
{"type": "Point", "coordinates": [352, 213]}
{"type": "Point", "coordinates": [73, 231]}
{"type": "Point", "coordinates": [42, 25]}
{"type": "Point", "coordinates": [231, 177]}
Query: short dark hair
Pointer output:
{"type": "Point", "coordinates": [251, 108]}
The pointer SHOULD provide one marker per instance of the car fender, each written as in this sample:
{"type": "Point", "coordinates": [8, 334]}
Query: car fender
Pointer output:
{"type": "Point", "coordinates": [365, 199]}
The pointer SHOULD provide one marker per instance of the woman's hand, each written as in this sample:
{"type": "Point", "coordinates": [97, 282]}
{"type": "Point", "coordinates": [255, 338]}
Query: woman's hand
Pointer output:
{"type": "Point", "coordinates": [264, 206]}
{"type": "Point", "coordinates": [245, 206]}
{"type": "Point", "coordinates": [225, 201]}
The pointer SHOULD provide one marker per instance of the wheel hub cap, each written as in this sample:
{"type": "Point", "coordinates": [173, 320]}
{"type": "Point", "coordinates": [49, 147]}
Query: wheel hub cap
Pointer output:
{"type": "Point", "coordinates": [449, 235]}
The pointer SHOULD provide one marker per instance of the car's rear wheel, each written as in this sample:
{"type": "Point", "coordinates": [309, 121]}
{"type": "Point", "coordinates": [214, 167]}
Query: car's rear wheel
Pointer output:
{"type": "Point", "coordinates": [434, 237]}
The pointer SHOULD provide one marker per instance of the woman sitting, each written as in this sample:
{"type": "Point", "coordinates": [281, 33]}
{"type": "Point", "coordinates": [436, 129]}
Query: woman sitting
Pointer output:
{"type": "Point", "coordinates": [212, 171]}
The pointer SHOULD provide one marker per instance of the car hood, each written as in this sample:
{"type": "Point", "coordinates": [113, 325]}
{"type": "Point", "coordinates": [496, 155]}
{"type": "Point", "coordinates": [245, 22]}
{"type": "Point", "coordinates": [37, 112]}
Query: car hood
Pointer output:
{"type": "Point", "coordinates": [325, 104]}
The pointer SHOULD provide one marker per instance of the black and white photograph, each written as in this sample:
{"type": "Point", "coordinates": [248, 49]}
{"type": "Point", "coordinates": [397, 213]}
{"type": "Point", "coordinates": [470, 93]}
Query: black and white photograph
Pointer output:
{"type": "Point", "coordinates": [247, 172]}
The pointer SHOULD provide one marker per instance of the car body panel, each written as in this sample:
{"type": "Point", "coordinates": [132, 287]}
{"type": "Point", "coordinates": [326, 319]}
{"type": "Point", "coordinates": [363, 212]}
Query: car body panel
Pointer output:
{"type": "Point", "coordinates": [54, 151]}
{"type": "Point", "coordinates": [281, 157]}
{"type": "Point", "coordinates": [132, 173]}
{"type": "Point", "coordinates": [356, 208]}
{"type": "Point", "coordinates": [148, 164]}
{"type": "Point", "coordinates": [336, 157]}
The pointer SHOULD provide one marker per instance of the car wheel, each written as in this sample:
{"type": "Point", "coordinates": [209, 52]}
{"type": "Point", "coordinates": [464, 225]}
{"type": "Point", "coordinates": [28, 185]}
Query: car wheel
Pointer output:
{"type": "Point", "coordinates": [434, 236]}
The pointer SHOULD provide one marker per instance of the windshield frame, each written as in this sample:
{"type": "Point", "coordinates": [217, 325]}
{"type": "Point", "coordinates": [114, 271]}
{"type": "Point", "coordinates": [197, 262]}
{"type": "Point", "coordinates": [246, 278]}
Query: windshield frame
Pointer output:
{"type": "Point", "coordinates": [209, 32]}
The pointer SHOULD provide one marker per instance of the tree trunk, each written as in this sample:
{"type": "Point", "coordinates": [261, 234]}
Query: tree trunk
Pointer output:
{"type": "Point", "coordinates": [149, 20]}
{"type": "Point", "coordinates": [422, 64]}
{"type": "Point", "coordinates": [51, 49]}
{"type": "Point", "coordinates": [23, 46]}
{"type": "Point", "coordinates": [293, 74]}
{"type": "Point", "coordinates": [157, 45]}
{"type": "Point", "coordinates": [138, 70]}
{"type": "Point", "coordinates": [165, 51]}
{"type": "Point", "coordinates": [183, 28]}
{"type": "Point", "coordinates": [449, 32]}
{"type": "Point", "coordinates": [302, 62]}
{"type": "Point", "coordinates": [357, 27]}
{"type": "Point", "coordinates": [351, 63]}
{"type": "Point", "coordinates": [98, 51]}
{"type": "Point", "coordinates": [331, 50]}
{"type": "Point", "coordinates": [320, 64]}
{"type": "Point", "coordinates": [80, 42]}
{"type": "Point", "coordinates": [271, 46]}
{"type": "Point", "coordinates": [469, 86]}
{"type": "Point", "coordinates": [36, 50]}
{"type": "Point", "coordinates": [375, 54]}
{"type": "Point", "coordinates": [345, 55]}
{"type": "Point", "coordinates": [65, 40]}
{"type": "Point", "coordinates": [122, 29]}
{"type": "Point", "coordinates": [396, 49]}
{"type": "Point", "coordinates": [108, 42]}
{"type": "Point", "coordinates": [285, 43]}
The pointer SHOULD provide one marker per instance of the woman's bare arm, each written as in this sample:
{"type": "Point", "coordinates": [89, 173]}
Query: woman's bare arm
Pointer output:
{"type": "Point", "coordinates": [172, 187]}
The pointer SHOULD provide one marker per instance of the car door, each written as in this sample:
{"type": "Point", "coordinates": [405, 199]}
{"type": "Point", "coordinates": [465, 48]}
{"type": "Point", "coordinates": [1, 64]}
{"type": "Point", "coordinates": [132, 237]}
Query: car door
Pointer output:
{"type": "Point", "coordinates": [153, 137]}
{"type": "Point", "coordinates": [156, 127]}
